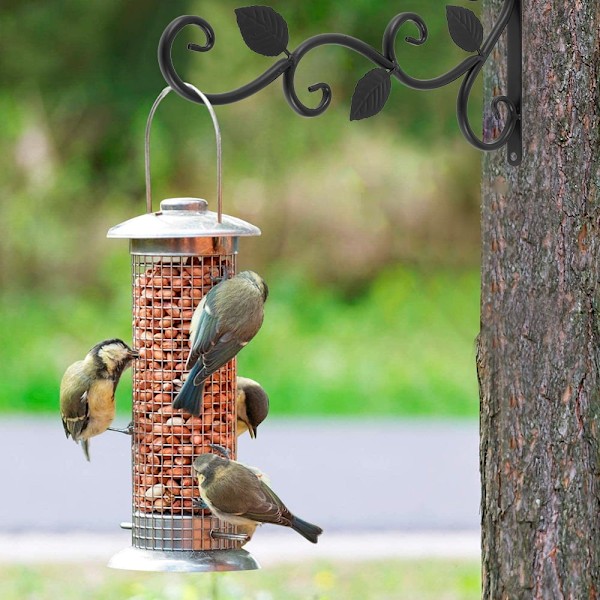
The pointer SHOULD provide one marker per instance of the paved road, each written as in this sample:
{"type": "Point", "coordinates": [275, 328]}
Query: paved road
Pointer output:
{"type": "Point", "coordinates": [270, 547]}
{"type": "Point", "coordinates": [373, 476]}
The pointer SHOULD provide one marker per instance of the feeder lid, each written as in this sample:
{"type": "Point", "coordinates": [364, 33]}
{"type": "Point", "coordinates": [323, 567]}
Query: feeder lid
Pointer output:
{"type": "Point", "coordinates": [182, 218]}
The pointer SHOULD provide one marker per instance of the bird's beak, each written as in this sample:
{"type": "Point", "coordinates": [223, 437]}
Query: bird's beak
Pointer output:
{"type": "Point", "coordinates": [252, 431]}
{"type": "Point", "coordinates": [134, 354]}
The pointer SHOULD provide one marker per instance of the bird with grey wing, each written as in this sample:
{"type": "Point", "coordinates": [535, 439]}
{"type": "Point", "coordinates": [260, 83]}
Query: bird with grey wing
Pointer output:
{"type": "Point", "coordinates": [252, 405]}
{"type": "Point", "coordinates": [238, 495]}
{"type": "Point", "coordinates": [226, 319]}
{"type": "Point", "coordinates": [87, 390]}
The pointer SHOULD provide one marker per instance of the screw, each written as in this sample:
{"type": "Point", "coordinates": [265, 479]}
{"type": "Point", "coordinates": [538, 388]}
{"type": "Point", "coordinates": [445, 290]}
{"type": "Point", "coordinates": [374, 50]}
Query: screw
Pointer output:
{"type": "Point", "coordinates": [513, 156]}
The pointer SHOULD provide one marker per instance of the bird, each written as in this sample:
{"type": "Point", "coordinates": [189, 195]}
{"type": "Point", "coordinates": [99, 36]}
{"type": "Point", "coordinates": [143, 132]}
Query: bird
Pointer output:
{"type": "Point", "coordinates": [234, 493]}
{"type": "Point", "coordinates": [87, 390]}
{"type": "Point", "coordinates": [252, 405]}
{"type": "Point", "coordinates": [224, 321]}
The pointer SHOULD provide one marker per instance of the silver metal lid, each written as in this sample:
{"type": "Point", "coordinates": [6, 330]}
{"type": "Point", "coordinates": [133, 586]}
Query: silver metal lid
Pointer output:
{"type": "Point", "coordinates": [182, 218]}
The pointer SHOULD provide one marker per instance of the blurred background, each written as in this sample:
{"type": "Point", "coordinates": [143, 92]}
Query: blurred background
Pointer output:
{"type": "Point", "coordinates": [370, 228]}
{"type": "Point", "coordinates": [370, 247]}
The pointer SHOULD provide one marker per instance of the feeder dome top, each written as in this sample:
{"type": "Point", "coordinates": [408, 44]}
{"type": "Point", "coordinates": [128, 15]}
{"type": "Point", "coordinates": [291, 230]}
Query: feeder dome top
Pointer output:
{"type": "Point", "coordinates": [182, 218]}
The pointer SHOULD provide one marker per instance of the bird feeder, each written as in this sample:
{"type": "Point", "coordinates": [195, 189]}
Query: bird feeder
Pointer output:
{"type": "Point", "coordinates": [177, 255]}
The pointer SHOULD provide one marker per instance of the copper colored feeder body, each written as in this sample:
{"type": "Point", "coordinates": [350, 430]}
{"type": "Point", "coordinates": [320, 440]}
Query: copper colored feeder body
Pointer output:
{"type": "Point", "coordinates": [165, 441]}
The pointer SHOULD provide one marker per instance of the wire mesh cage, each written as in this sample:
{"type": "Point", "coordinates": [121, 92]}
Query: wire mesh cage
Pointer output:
{"type": "Point", "coordinates": [170, 276]}
{"type": "Point", "coordinates": [177, 255]}
{"type": "Point", "coordinates": [165, 293]}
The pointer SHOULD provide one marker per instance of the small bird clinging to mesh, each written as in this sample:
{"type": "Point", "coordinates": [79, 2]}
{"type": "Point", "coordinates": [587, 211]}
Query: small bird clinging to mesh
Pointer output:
{"type": "Point", "coordinates": [87, 390]}
{"type": "Point", "coordinates": [252, 405]}
{"type": "Point", "coordinates": [226, 319]}
{"type": "Point", "coordinates": [235, 494]}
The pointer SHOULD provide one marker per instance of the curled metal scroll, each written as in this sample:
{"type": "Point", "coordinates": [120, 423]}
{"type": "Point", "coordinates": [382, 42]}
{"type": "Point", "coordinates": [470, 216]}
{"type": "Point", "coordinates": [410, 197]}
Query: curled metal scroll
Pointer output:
{"type": "Point", "coordinates": [265, 32]}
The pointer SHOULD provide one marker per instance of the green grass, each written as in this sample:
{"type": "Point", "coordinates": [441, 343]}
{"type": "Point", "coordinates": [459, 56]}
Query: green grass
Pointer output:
{"type": "Point", "coordinates": [385, 580]}
{"type": "Point", "coordinates": [403, 346]}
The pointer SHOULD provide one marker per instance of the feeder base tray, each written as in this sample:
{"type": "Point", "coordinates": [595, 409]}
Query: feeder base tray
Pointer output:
{"type": "Point", "coordinates": [136, 559]}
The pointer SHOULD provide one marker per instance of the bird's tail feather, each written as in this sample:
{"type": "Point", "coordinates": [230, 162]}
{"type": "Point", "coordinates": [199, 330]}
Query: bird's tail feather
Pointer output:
{"type": "Point", "coordinates": [308, 530]}
{"type": "Point", "coordinates": [85, 444]}
{"type": "Point", "coordinates": [190, 395]}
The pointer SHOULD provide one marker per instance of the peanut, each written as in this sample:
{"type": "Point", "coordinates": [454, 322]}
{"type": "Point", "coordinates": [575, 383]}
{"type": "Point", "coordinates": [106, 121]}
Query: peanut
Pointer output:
{"type": "Point", "coordinates": [156, 491]}
{"type": "Point", "coordinates": [167, 440]}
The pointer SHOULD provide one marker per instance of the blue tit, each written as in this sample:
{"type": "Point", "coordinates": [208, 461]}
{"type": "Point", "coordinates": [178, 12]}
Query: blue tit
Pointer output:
{"type": "Point", "coordinates": [235, 494]}
{"type": "Point", "coordinates": [252, 406]}
{"type": "Point", "coordinates": [226, 319]}
{"type": "Point", "coordinates": [87, 390]}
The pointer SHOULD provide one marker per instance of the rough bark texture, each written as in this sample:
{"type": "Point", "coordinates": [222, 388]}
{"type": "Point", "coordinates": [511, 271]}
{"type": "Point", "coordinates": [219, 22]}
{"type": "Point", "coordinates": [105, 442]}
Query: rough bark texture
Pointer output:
{"type": "Point", "coordinates": [539, 345]}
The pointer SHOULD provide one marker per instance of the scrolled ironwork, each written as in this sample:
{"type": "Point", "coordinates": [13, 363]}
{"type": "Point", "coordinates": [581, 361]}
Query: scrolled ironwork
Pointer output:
{"type": "Point", "coordinates": [265, 32]}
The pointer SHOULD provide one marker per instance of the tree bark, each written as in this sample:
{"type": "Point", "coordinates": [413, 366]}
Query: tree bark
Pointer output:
{"type": "Point", "coordinates": [539, 344]}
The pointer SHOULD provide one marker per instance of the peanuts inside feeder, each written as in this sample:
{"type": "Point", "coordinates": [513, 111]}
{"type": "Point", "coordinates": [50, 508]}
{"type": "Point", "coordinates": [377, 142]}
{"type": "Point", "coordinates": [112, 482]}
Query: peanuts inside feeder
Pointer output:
{"type": "Point", "coordinates": [178, 254]}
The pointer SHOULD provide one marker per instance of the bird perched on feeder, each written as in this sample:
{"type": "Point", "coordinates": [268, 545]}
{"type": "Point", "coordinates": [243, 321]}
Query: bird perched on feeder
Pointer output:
{"type": "Point", "coordinates": [87, 390]}
{"type": "Point", "coordinates": [226, 319]}
{"type": "Point", "coordinates": [252, 406]}
{"type": "Point", "coordinates": [234, 493]}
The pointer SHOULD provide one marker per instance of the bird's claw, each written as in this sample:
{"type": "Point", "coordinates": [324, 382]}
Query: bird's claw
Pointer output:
{"type": "Point", "coordinates": [220, 278]}
{"type": "Point", "coordinates": [221, 450]}
{"type": "Point", "coordinates": [199, 504]}
{"type": "Point", "coordinates": [127, 430]}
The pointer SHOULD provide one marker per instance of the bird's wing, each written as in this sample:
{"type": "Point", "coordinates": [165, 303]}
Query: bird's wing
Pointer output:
{"type": "Point", "coordinates": [266, 507]}
{"type": "Point", "coordinates": [244, 495]}
{"type": "Point", "coordinates": [74, 408]}
{"type": "Point", "coordinates": [75, 422]}
{"type": "Point", "coordinates": [225, 348]}
{"type": "Point", "coordinates": [227, 492]}
{"type": "Point", "coordinates": [203, 329]}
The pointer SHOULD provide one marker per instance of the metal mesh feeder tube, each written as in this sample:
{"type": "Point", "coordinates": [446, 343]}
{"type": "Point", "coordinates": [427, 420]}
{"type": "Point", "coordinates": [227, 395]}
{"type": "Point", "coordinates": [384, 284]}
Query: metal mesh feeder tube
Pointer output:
{"type": "Point", "coordinates": [170, 276]}
{"type": "Point", "coordinates": [177, 255]}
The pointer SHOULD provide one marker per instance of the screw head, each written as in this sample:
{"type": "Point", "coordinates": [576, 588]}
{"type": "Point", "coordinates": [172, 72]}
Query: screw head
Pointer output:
{"type": "Point", "coordinates": [513, 156]}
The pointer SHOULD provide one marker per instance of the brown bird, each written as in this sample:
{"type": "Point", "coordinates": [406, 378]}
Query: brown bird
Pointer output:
{"type": "Point", "coordinates": [252, 406]}
{"type": "Point", "coordinates": [226, 319]}
{"type": "Point", "coordinates": [234, 493]}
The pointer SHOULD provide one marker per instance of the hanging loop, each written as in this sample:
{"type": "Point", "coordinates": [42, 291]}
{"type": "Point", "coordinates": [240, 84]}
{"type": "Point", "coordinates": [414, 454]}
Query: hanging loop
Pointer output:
{"type": "Point", "coordinates": [217, 129]}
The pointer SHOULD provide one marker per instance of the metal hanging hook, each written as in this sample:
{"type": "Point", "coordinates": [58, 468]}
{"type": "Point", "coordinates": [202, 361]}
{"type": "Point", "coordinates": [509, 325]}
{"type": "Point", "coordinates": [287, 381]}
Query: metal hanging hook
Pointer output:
{"type": "Point", "coordinates": [266, 32]}
{"type": "Point", "coordinates": [217, 129]}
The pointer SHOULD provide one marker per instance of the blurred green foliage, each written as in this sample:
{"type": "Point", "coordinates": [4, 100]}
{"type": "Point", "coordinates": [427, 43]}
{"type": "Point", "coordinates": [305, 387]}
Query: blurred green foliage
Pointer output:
{"type": "Point", "coordinates": [403, 347]}
{"type": "Point", "coordinates": [370, 228]}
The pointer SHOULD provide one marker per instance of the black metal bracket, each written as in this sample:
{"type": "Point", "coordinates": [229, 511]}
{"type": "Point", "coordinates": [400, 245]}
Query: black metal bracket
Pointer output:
{"type": "Point", "coordinates": [266, 32]}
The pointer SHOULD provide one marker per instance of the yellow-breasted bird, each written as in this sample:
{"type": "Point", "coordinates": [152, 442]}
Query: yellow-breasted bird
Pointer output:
{"type": "Point", "coordinates": [87, 390]}
{"type": "Point", "coordinates": [226, 319]}
{"type": "Point", "coordinates": [252, 405]}
{"type": "Point", "coordinates": [233, 493]}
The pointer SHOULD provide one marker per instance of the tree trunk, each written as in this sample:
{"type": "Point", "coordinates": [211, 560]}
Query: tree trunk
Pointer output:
{"type": "Point", "coordinates": [539, 345]}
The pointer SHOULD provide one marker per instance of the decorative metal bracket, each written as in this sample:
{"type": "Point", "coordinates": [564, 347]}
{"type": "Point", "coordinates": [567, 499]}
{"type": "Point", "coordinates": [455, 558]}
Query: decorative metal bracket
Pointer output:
{"type": "Point", "coordinates": [266, 32]}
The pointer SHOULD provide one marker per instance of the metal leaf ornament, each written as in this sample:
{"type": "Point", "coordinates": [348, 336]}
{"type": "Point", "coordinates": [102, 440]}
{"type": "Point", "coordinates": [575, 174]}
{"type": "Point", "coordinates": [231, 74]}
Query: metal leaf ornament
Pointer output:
{"type": "Point", "coordinates": [465, 28]}
{"type": "Point", "coordinates": [264, 30]}
{"type": "Point", "coordinates": [371, 94]}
